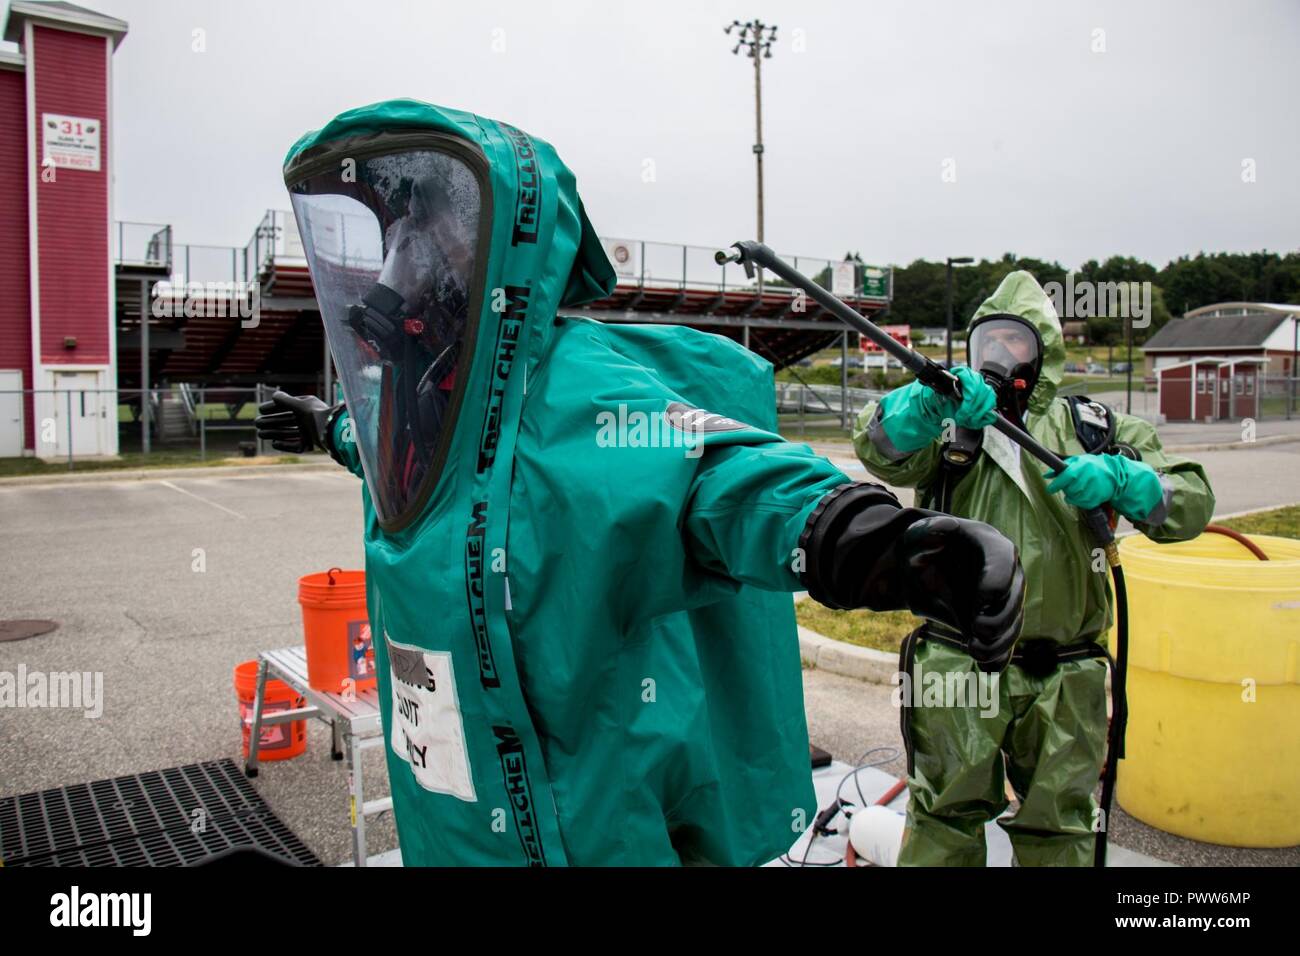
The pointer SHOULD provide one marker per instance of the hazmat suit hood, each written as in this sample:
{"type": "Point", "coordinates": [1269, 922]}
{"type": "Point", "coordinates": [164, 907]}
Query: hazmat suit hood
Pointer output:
{"type": "Point", "coordinates": [1019, 294]}
{"type": "Point", "coordinates": [589, 275]}
{"type": "Point", "coordinates": [440, 244]}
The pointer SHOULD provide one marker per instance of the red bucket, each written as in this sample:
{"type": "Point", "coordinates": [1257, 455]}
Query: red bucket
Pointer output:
{"type": "Point", "coordinates": [336, 629]}
{"type": "Point", "coordinates": [277, 741]}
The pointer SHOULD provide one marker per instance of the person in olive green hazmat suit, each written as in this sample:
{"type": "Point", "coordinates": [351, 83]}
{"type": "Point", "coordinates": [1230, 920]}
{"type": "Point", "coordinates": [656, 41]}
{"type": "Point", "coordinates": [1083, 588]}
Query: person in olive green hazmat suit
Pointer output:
{"type": "Point", "coordinates": [580, 536]}
{"type": "Point", "coordinates": [1050, 722]}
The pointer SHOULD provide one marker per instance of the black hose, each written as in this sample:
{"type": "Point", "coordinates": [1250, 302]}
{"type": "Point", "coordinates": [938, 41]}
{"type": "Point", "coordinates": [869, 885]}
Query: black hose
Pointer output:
{"type": "Point", "coordinates": [1119, 713]}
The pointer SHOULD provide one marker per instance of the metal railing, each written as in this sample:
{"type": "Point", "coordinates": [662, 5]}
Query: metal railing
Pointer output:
{"type": "Point", "coordinates": [792, 397]}
{"type": "Point", "coordinates": [204, 264]}
{"type": "Point", "coordinates": [143, 244]}
{"type": "Point", "coordinates": [826, 408]}
{"type": "Point", "coordinates": [1279, 396]}
{"type": "Point", "coordinates": [652, 265]}
{"type": "Point", "coordinates": [276, 235]}
{"type": "Point", "coordinates": [191, 397]}
{"type": "Point", "coordinates": [660, 265]}
{"type": "Point", "coordinates": [151, 245]}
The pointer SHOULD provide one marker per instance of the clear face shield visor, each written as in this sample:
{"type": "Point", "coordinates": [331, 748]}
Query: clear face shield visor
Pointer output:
{"type": "Point", "coordinates": [393, 251]}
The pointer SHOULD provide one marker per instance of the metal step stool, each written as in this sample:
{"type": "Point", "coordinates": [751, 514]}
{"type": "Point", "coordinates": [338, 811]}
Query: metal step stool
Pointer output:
{"type": "Point", "coordinates": [354, 722]}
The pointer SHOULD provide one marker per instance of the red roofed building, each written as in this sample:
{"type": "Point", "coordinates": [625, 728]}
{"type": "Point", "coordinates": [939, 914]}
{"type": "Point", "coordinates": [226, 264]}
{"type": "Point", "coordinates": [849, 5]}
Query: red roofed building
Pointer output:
{"type": "Point", "coordinates": [56, 269]}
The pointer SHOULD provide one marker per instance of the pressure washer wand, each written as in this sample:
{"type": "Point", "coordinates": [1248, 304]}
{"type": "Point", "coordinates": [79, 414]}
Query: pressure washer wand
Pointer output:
{"type": "Point", "coordinates": [928, 371]}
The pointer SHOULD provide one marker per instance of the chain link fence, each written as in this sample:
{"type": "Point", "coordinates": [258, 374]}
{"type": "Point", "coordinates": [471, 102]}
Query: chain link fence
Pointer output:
{"type": "Point", "coordinates": [179, 424]}
{"type": "Point", "coordinates": [97, 428]}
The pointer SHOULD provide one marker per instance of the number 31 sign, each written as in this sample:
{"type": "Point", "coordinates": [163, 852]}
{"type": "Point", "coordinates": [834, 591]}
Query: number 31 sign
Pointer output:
{"type": "Point", "coordinates": [70, 142]}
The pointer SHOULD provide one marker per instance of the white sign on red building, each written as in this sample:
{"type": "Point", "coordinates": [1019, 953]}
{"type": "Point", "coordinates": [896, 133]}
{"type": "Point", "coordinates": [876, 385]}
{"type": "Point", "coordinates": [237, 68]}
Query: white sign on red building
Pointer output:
{"type": "Point", "coordinates": [70, 142]}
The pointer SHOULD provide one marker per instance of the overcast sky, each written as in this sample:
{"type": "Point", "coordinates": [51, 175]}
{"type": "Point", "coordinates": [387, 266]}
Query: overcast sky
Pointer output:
{"type": "Point", "coordinates": [1074, 129]}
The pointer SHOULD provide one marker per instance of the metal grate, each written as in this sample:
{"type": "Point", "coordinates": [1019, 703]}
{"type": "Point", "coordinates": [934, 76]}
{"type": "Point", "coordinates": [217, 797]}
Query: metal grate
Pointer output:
{"type": "Point", "coordinates": [144, 820]}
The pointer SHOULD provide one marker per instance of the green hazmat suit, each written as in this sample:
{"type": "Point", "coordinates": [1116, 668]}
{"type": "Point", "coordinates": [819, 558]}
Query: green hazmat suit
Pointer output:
{"type": "Point", "coordinates": [1051, 727]}
{"type": "Point", "coordinates": [603, 591]}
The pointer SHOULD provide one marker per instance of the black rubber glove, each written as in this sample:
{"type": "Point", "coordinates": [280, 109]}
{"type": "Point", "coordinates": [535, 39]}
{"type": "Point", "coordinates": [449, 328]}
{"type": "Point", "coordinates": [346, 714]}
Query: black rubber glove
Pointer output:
{"type": "Point", "coordinates": [863, 549]}
{"type": "Point", "coordinates": [967, 575]}
{"type": "Point", "coordinates": [297, 423]}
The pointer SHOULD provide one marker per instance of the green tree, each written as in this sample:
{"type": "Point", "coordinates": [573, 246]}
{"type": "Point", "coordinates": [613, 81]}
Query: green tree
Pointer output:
{"type": "Point", "coordinates": [1110, 329]}
{"type": "Point", "coordinates": [1193, 282]}
{"type": "Point", "coordinates": [1183, 284]}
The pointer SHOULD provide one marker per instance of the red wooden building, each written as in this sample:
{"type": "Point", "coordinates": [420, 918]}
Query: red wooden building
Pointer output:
{"type": "Point", "coordinates": [1215, 362]}
{"type": "Point", "coordinates": [56, 270]}
{"type": "Point", "coordinates": [1210, 389]}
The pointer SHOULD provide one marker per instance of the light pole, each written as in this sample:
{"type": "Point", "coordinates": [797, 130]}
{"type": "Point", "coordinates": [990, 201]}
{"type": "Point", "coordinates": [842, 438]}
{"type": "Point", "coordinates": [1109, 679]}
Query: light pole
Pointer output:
{"type": "Point", "coordinates": [1128, 381]}
{"type": "Point", "coordinates": [756, 37]}
{"type": "Point", "coordinates": [959, 261]}
{"type": "Point", "coordinates": [1295, 371]}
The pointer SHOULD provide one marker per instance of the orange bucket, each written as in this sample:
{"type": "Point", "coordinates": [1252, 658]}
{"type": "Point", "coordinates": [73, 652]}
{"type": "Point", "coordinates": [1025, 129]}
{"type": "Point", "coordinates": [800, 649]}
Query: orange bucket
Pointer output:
{"type": "Point", "coordinates": [277, 741]}
{"type": "Point", "coordinates": [340, 652]}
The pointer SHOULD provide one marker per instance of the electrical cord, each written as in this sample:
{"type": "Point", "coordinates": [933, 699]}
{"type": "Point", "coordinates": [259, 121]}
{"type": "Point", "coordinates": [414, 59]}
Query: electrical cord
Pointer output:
{"type": "Point", "coordinates": [821, 825]}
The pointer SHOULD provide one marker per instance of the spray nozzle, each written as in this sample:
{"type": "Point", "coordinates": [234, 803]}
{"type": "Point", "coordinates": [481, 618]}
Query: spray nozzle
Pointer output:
{"type": "Point", "coordinates": [722, 257]}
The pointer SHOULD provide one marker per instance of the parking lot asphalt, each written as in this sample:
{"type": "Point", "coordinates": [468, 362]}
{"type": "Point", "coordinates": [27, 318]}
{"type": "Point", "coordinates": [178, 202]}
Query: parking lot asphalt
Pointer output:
{"type": "Point", "coordinates": [163, 585]}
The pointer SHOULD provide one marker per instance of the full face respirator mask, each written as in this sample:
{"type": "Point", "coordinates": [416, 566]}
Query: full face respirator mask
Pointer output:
{"type": "Point", "coordinates": [1008, 352]}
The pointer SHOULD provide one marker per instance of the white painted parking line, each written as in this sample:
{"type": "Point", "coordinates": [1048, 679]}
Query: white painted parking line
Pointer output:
{"type": "Point", "coordinates": [198, 498]}
{"type": "Point", "coordinates": [319, 476]}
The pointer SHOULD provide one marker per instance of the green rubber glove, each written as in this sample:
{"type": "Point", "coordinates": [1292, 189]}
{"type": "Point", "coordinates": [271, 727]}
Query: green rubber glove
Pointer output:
{"type": "Point", "coordinates": [913, 415]}
{"type": "Point", "coordinates": [1132, 487]}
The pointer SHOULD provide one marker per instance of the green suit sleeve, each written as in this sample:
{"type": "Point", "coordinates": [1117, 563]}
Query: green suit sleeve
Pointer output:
{"type": "Point", "coordinates": [1188, 502]}
{"type": "Point", "coordinates": [882, 459]}
{"type": "Point", "coordinates": [749, 504]}
{"type": "Point", "coordinates": [344, 446]}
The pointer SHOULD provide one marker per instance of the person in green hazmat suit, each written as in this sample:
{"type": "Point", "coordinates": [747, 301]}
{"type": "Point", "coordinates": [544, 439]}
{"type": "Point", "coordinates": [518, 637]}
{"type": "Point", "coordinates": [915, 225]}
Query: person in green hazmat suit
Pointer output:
{"type": "Point", "coordinates": [577, 534]}
{"type": "Point", "coordinates": [1049, 724]}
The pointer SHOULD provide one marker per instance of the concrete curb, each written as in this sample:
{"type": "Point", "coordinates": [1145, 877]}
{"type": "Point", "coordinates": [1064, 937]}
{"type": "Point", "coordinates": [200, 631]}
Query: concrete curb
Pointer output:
{"type": "Point", "coordinates": [157, 474]}
{"type": "Point", "coordinates": [1219, 519]}
{"type": "Point", "coordinates": [848, 660]}
{"type": "Point", "coordinates": [1235, 445]}
{"type": "Point", "coordinates": [840, 657]}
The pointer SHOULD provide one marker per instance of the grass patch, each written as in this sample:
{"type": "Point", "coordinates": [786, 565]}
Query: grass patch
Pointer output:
{"type": "Point", "coordinates": [14, 467]}
{"type": "Point", "coordinates": [212, 411]}
{"type": "Point", "coordinates": [882, 630]}
{"type": "Point", "coordinates": [1092, 385]}
{"type": "Point", "coordinates": [790, 432]}
{"type": "Point", "coordinates": [1280, 522]}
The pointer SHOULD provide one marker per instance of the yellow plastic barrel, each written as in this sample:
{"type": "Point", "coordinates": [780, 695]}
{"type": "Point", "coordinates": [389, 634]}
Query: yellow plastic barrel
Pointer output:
{"type": "Point", "coordinates": [1213, 746]}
